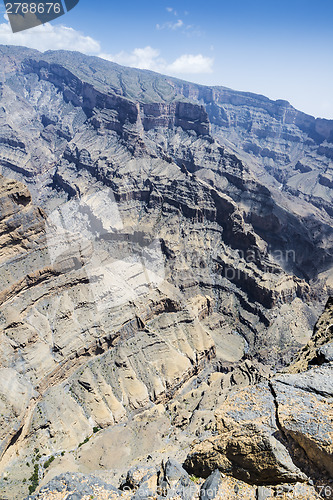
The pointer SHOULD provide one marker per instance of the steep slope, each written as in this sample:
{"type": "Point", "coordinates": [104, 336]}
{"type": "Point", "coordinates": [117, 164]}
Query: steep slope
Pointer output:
{"type": "Point", "coordinates": [276, 433]}
{"type": "Point", "coordinates": [236, 118]}
{"type": "Point", "coordinates": [290, 416]}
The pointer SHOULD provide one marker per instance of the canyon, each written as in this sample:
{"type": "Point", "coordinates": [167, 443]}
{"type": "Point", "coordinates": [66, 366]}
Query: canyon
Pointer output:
{"type": "Point", "coordinates": [166, 283]}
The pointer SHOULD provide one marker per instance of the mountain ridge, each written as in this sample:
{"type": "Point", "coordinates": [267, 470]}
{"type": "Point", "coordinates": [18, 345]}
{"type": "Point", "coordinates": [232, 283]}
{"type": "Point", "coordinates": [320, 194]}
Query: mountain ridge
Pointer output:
{"type": "Point", "coordinates": [286, 147]}
{"type": "Point", "coordinates": [53, 55]}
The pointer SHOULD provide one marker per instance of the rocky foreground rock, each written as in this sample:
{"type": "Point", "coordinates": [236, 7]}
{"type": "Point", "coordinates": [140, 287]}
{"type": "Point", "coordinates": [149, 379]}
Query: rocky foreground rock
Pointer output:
{"type": "Point", "coordinates": [160, 262]}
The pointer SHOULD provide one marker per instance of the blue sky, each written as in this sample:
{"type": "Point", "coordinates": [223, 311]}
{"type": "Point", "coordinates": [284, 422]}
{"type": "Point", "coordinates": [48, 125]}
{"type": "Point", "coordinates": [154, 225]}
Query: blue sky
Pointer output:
{"type": "Point", "coordinates": [282, 49]}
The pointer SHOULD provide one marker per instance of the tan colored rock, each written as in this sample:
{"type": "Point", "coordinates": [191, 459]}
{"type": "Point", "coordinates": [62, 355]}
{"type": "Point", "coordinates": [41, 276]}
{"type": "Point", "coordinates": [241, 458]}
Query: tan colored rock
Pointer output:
{"type": "Point", "coordinates": [248, 442]}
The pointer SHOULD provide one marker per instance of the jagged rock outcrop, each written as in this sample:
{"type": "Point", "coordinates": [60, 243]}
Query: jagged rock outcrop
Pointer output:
{"type": "Point", "coordinates": [248, 442]}
{"type": "Point", "coordinates": [304, 411]}
{"type": "Point", "coordinates": [277, 431]}
{"type": "Point", "coordinates": [318, 347]}
{"type": "Point", "coordinates": [168, 480]}
{"type": "Point", "coordinates": [77, 486]}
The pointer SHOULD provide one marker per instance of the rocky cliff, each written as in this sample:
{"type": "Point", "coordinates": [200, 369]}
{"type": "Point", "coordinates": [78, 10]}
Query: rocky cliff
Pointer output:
{"type": "Point", "coordinates": [272, 438]}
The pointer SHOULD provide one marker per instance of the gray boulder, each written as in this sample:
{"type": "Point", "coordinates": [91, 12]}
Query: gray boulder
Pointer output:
{"type": "Point", "coordinates": [326, 352]}
{"type": "Point", "coordinates": [211, 486]}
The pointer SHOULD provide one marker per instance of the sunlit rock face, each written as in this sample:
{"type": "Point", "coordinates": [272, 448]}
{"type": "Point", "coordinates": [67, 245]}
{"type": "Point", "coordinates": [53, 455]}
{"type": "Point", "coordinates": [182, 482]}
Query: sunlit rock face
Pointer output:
{"type": "Point", "coordinates": [150, 264]}
{"type": "Point", "coordinates": [278, 430]}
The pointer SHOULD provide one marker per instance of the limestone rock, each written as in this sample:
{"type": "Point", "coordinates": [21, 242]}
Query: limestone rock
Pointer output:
{"type": "Point", "coordinates": [322, 335]}
{"type": "Point", "coordinates": [249, 444]}
{"type": "Point", "coordinates": [326, 352]}
{"type": "Point", "coordinates": [77, 486]}
{"type": "Point", "coordinates": [276, 430]}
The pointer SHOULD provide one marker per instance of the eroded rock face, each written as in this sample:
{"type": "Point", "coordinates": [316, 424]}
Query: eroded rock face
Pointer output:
{"type": "Point", "coordinates": [275, 431]}
{"type": "Point", "coordinates": [63, 93]}
{"type": "Point", "coordinates": [288, 147]}
{"type": "Point", "coordinates": [317, 350]}
{"type": "Point", "coordinates": [305, 413]}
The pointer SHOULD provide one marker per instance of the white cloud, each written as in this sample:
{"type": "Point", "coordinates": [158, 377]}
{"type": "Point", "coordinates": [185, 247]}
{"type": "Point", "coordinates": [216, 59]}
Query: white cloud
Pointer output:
{"type": "Point", "coordinates": [185, 29]}
{"type": "Point", "coordinates": [171, 26]}
{"type": "Point", "coordinates": [171, 10]}
{"type": "Point", "coordinates": [49, 37]}
{"type": "Point", "coordinates": [146, 58]}
{"type": "Point", "coordinates": [149, 58]}
{"type": "Point", "coordinates": [189, 63]}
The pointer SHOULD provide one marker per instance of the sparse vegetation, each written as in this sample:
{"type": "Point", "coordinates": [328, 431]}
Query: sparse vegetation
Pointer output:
{"type": "Point", "coordinates": [48, 462]}
{"type": "Point", "coordinates": [195, 479]}
{"type": "Point", "coordinates": [34, 479]}
{"type": "Point", "coordinates": [84, 442]}
{"type": "Point", "coordinates": [96, 429]}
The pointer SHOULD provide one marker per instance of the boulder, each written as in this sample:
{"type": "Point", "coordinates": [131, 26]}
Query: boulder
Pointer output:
{"type": "Point", "coordinates": [249, 444]}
